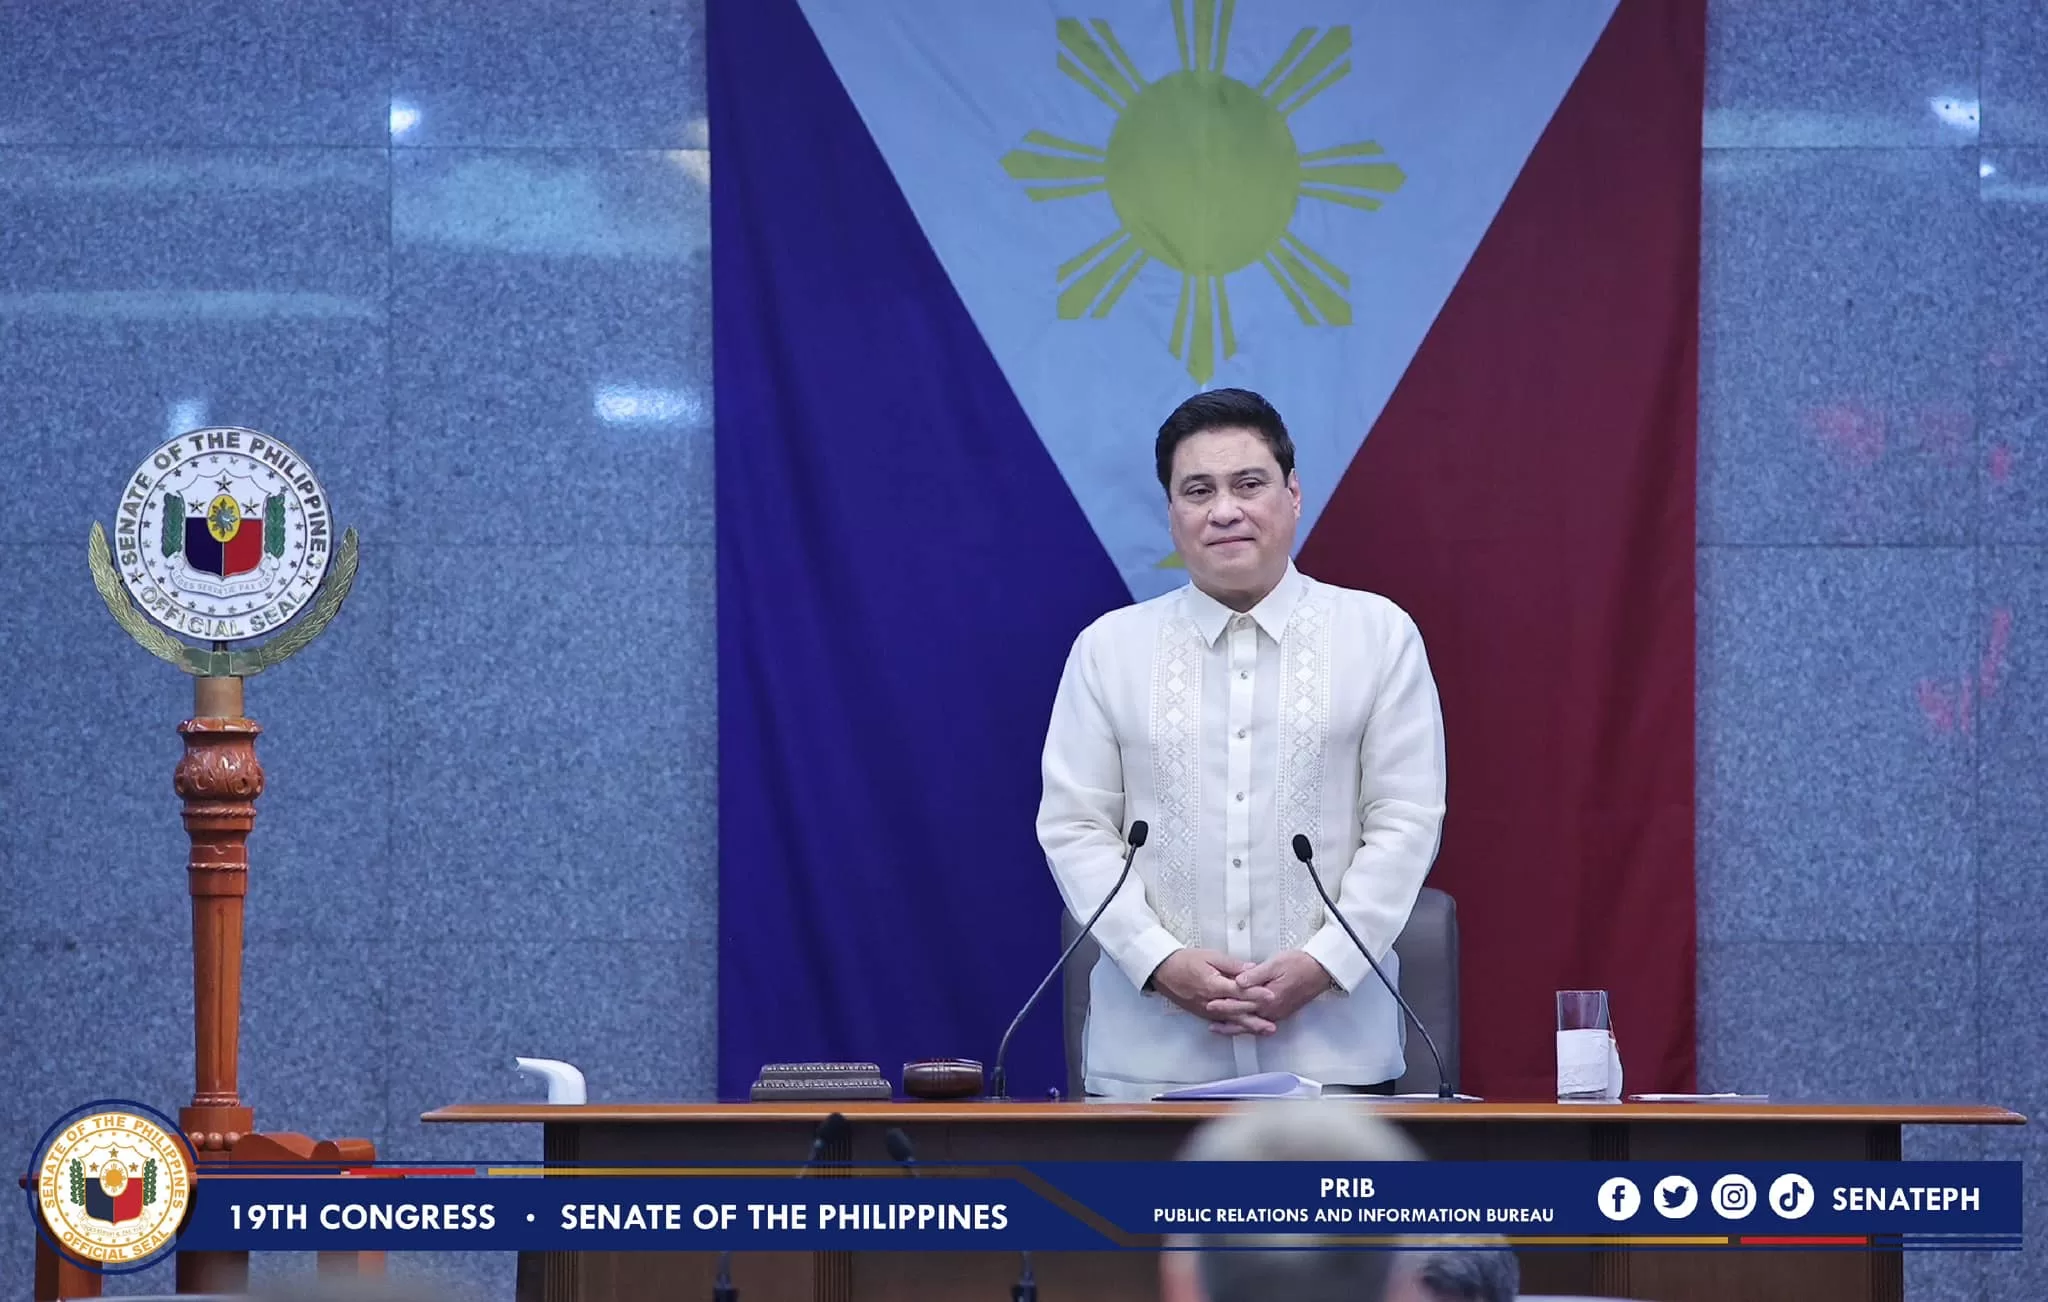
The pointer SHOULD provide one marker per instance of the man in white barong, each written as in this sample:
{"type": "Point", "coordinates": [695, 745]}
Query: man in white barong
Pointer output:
{"type": "Point", "coordinates": [1251, 705]}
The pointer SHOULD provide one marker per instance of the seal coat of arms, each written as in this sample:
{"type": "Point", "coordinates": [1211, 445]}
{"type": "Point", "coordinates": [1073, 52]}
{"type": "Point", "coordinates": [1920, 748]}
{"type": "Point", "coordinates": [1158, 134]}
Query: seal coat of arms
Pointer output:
{"type": "Point", "coordinates": [113, 1187]}
{"type": "Point", "coordinates": [223, 535]}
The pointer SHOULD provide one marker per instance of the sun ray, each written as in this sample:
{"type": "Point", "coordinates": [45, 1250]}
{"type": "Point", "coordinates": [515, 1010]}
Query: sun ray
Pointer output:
{"type": "Point", "coordinates": [1205, 31]}
{"type": "Point", "coordinates": [1077, 162]}
{"type": "Point", "coordinates": [1345, 197]}
{"type": "Point", "coordinates": [1223, 33]}
{"type": "Point", "coordinates": [1331, 271]}
{"type": "Point", "coordinates": [1116, 50]}
{"type": "Point", "coordinates": [1327, 80]}
{"type": "Point", "coordinates": [1044, 192]}
{"type": "Point", "coordinates": [1180, 38]}
{"type": "Point", "coordinates": [1048, 141]}
{"type": "Point", "coordinates": [1087, 255]}
{"type": "Point", "coordinates": [1358, 149]}
{"type": "Point", "coordinates": [1076, 298]}
{"type": "Point", "coordinates": [1301, 307]}
{"type": "Point", "coordinates": [1073, 70]}
{"type": "Point", "coordinates": [1330, 305]}
{"type": "Point", "coordinates": [1223, 317]}
{"type": "Point", "coordinates": [1074, 35]}
{"type": "Point", "coordinates": [1286, 60]}
{"type": "Point", "coordinates": [1331, 46]}
{"type": "Point", "coordinates": [1030, 165]}
{"type": "Point", "coordinates": [1384, 178]}
{"type": "Point", "coordinates": [1180, 316]}
{"type": "Point", "coordinates": [1202, 348]}
{"type": "Point", "coordinates": [1115, 292]}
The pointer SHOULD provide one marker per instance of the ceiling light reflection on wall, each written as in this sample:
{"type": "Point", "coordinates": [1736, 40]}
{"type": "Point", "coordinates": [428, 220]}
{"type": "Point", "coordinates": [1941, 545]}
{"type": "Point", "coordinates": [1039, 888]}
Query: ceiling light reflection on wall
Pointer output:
{"type": "Point", "coordinates": [186, 414]}
{"type": "Point", "coordinates": [638, 405]}
{"type": "Point", "coordinates": [1955, 111]}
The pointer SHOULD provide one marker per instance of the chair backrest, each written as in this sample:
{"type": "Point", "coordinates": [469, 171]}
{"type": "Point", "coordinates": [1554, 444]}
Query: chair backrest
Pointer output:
{"type": "Point", "coordinates": [1428, 947]}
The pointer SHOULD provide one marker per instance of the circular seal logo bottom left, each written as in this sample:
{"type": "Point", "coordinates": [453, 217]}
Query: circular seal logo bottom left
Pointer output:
{"type": "Point", "coordinates": [113, 1185]}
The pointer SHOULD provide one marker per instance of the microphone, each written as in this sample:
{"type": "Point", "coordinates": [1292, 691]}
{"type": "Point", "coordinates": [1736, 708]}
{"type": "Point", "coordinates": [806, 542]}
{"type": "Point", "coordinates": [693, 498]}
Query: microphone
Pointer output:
{"type": "Point", "coordinates": [1307, 854]}
{"type": "Point", "coordinates": [832, 1130]}
{"type": "Point", "coordinates": [997, 1081]}
{"type": "Point", "coordinates": [899, 1148]}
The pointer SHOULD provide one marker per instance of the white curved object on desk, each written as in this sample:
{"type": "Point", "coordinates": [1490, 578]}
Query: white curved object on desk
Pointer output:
{"type": "Point", "coordinates": [565, 1083]}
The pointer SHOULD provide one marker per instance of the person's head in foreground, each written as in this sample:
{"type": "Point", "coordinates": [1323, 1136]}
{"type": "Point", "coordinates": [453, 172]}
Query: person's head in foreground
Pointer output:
{"type": "Point", "coordinates": [1456, 1275]}
{"type": "Point", "coordinates": [1264, 1268]}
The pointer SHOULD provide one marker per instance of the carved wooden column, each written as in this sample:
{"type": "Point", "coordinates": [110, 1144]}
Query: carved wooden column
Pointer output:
{"type": "Point", "coordinates": [219, 779]}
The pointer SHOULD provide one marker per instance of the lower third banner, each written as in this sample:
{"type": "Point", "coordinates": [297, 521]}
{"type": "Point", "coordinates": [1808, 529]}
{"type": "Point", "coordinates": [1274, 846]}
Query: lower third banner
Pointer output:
{"type": "Point", "coordinates": [1109, 1206]}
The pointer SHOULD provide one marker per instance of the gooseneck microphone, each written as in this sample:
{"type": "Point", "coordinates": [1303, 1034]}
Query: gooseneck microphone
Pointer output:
{"type": "Point", "coordinates": [998, 1082]}
{"type": "Point", "coordinates": [832, 1130]}
{"type": "Point", "coordinates": [899, 1148]}
{"type": "Point", "coordinates": [1307, 854]}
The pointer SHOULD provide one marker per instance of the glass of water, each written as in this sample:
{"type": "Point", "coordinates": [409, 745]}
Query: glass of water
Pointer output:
{"type": "Point", "coordinates": [1584, 1044]}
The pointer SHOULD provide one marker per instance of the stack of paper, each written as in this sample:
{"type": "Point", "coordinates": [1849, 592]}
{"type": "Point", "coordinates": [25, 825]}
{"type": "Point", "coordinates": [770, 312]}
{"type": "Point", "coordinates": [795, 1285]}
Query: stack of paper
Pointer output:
{"type": "Point", "coordinates": [1265, 1085]}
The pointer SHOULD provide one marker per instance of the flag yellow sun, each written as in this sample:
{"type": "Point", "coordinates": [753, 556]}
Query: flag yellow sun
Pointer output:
{"type": "Point", "coordinates": [1204, 175]}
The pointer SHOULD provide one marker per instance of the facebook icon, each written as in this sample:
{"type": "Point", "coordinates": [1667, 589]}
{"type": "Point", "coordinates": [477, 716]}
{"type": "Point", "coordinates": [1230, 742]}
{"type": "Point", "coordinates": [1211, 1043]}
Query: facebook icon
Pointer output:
{"type": "Point", "coordinates": [1620, 1199]}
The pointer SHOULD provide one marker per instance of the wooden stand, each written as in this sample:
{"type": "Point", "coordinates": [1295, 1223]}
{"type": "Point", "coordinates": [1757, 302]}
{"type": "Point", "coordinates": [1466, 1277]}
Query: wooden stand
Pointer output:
{"type": "Point", "coordinates": [219, 779]}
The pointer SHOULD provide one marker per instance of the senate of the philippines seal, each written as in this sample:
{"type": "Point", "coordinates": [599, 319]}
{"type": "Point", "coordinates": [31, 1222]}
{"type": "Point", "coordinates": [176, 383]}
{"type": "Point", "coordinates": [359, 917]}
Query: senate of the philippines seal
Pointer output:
{"type": "Point", "coordinates": [223, 534]}
{"type": "Point", "coordinates": [113, 1185]}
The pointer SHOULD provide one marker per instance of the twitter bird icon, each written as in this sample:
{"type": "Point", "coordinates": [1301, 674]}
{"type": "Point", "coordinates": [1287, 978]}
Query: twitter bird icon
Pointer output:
{"type": "Point", "coordinates": [1675, 1197]}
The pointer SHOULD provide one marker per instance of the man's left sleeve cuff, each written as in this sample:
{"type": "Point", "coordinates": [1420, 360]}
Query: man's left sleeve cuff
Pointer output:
{"type": "Point", "coordinates": [1339, 957]}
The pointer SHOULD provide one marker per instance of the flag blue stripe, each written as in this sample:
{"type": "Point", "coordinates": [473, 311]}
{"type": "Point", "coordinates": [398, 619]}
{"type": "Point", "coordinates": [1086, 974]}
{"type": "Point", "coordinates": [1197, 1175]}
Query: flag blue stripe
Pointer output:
{"type": "Point", "coordinates": [901, 570]}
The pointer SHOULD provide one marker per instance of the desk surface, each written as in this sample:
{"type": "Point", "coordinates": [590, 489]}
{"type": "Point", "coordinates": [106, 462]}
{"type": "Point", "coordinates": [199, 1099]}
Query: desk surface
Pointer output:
{"type": "Point", "coordinates": [971, 1110]}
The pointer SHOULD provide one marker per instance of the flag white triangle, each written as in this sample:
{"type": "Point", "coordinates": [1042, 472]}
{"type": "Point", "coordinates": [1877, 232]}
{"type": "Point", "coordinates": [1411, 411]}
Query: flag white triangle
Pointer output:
{"type": "Point", "coordinates": [1278, 196]}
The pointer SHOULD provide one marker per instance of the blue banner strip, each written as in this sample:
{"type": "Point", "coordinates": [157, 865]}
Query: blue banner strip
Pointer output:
{"type": "Point", "coordinates": [1102, 1206]}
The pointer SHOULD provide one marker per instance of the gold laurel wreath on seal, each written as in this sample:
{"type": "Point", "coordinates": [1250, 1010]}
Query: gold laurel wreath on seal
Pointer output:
{"type": "Point", "coordinates": [327, 598]}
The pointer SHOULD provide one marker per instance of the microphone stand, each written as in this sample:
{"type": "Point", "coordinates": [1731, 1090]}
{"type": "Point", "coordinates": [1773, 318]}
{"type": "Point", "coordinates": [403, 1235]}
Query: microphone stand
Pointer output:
{"type": "Point", "coordinates": [998, 1080]}
{"type": "Point", "coordinates": [1026, 1287]}
{"type": "Point", "coordinates": [1306, 853]}
{"type": "Point", "coordinates": [832, 1128]}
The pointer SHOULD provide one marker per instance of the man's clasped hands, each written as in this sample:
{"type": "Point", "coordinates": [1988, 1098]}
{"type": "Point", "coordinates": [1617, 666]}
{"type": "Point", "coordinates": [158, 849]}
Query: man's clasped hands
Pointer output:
{"type": "Point", "coordinates": [1239, 997]}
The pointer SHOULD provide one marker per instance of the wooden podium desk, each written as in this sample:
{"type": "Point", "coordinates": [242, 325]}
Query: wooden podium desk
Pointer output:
{"type": "Point", "coordinates": [975, 1131]}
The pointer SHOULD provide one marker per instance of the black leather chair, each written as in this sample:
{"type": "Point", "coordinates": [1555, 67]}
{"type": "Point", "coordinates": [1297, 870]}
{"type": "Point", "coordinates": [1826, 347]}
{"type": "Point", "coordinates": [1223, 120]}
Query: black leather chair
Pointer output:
{"type": "Point", "coordinates": [1428, 949]}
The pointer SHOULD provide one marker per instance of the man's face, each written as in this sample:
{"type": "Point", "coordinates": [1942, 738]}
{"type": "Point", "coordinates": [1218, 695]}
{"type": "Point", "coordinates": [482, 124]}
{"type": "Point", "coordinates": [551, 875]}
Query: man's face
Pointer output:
{"type": "Point", "coordinates": [1231, 512]}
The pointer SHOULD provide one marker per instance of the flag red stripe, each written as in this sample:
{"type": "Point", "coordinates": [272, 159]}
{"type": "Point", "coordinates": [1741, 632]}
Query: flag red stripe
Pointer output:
{"type": "Point", "coordinates": [1528, 496]}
